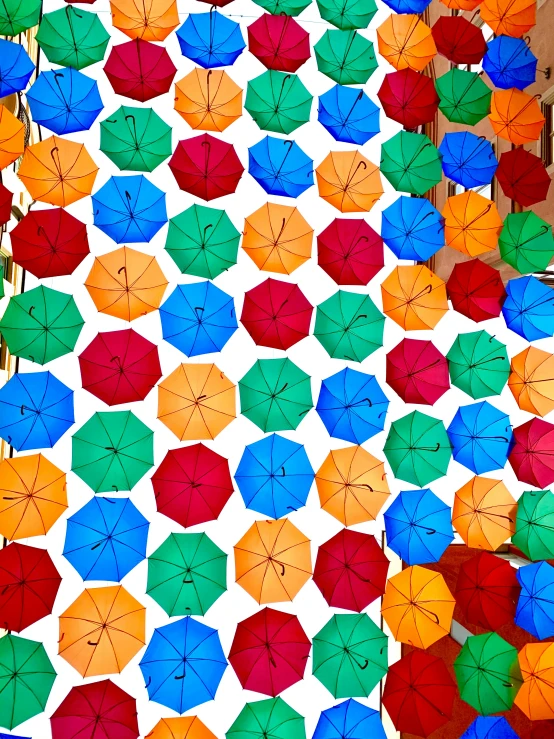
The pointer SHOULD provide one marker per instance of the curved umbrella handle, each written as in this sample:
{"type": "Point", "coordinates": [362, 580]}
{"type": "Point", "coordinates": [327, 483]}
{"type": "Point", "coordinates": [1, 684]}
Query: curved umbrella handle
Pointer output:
{"type": "Point", "coordinates": [147, 685]}
{"type": "Point", "coordinates": [22, 410]}
{"type": "Point", "coordinates": [61, 638]}
{"type": "Point", "coordinates": [92, 643]}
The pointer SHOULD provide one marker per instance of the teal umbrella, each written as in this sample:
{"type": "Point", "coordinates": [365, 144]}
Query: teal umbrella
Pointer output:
{"type": "Point", "coordinates": [278, 102]}
{"type": "Point", "coordinates": [135, 139]}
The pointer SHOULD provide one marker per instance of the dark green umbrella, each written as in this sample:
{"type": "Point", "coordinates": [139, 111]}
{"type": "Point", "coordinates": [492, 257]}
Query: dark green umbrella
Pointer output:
{"type": "Point", "coordinates": [268, 719]}
{"type": "Point", "coordinates": [526, 242]}
{"type": "Point", "coordinates": [345, 57]}
{"type": "Point", "coordinates": [418, 448]}
{"type": "Point", "coordinates": [411, 163]}
{"type": "Point", "coordinates": [2, 277]}
{"type": "Point", "coordinates": [283, 7]}
{"type": "Point", "coordinates": [72, 38]}
{"type": "Point", "coordinates": [535, 524]}
{"type": "Point", "coordinates": [278, 102]}
{"type": "Point", "coordinates": [347, 14]}
{"type": "Point", "coordinates": [350, 655]}
{"type": "Point", "coordinates": [464, 97]}
{"type": "Point", "coordinates": [41, 325]}
{"type": "Point", "coordinates": [17, 16]}
{"type": "Point", "coordinates": [135, 139]}
{"type": "Point", "coordinates": [478, 364]}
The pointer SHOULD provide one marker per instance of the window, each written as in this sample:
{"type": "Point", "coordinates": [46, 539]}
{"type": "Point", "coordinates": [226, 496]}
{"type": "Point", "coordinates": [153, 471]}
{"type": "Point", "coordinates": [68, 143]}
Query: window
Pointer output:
{"type": "Point", "coordinates": [487, 191]}
{"type": "Point", "coordinates": [547, 139]}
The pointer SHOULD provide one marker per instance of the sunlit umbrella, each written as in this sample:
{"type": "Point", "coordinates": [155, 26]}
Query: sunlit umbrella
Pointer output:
{"type": "Point", "coordinates": [528, 308]}
{"type": "Point", "coordinates": [12, 137]}
{"type": "Point", "coordinates": [346, 57]}
{"type": "Point", "coordinates": [278, 102]}
{"type": "Point", "coordinates": [535, 607]}
{"type": "Point", "coordinates": [481, 437]}
{"type": "Point", "coordinates": [464, 97]}
{"type": "Point", "coordinates": [6, 201]}
{"type": "Point", "coordinates": [509, 62]}
{"type": "Point", "coordinates": [349, 718]}
{"type": "Point", "coordinates": [72, 38]}
{"type": "Point", "coordinates": [414, 297]}
{"type": "Point", "coordinates": [523, 176]}
{"type": "Point", "coordinates": [267, 718]}
{"type": "Point", "coordinates": [208, 100]}
{"type": "Point", "coordinates": [472, 223]}
{"type": "Point", "coordinates": [526, 242]}
{"type": "Point", "coordinates": [349, 326]}
{"type": "Point", "coordinates": [406, 41]}
{"type": "Point", "coordinates": [17, 16]}
{"type": "Point", "coordinates": [350, 251]}
{"type": "Point", "coordinates": [536, 695]}
{"type": "Point", "coordinates": [210, 39]}
{"type": "Point", "coordinates": [478, 364]}
{"type": "Point", "coordinates": [532, 454]}
{"type": "Point", "coordinates": [409, 98]}
{"type": "Point", "coordinates": [348, 114]}
{"type": "Point", "coordinates": [184, 727]}
{"type": "Point", "coordinates": [411, 162]}
{"type": "Point", "coordinates": [484, 513]}
{"type": "Point", "coordinates": [283, 7]}
{"type": "Point", "coordinates": [206, 167]}
{"type": "Point", "coordinates": [476, 290]}
{"type": "Point", "coordinates": [280, 166]}
{"type": "Point", "coordinates": [459, 40]}
{"type": "Point", "coordinates": [509, 17]}
{"type": "Point", "coordinates": [139, 70]}
{"type": "Point", "coordinates": [516, 116]}
{"type": "Point", "coordinates": [468, 159]}
{"type": "Point", "coordinates": [16, 68]}
{"type": "Point", "coordinates": [279, 42]}
{"type": "Point", "coordinates": [349, 181]}
{"type": "Point", "coordinates": [534, 533]}
{"type": "Point", "coordinates": [349, 14]}
{"type": "Point", "coordinates": [417, 371]}
{"type": "Point", "coordinates": [152, 20]}
{"type": "Point", "coordinates": [135, 139]}
{"type": "Point", "coordinates": [412, 228]}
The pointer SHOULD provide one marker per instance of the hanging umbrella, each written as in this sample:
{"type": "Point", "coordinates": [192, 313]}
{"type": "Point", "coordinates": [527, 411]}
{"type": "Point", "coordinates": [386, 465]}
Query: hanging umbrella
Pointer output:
{"type": "Point", "coordinates": [467, 159]}
{"type": "Point", "coordinates": [346, 57]}
{"type": "Point", "coordinates": [523, 177]}
{"type": "Point", "coordinates": [536, 694]}
{"type": "Point", "coordinates": [208, 100]}
{"type": "Point", "coordinates": [409, 98]}
{"type": "Point", "coordinates": [351, 570]}
{"type": "Point", "coordinates": [278, 102]}
{"type": "Point", "coordinates": [206, 167]}
{"type": "Point", "coordinates": [112, 451]}
{"type": "Point", "coordinates": [484, 513]}
{"type": "Point", "coordinates": [6, 201]}
{"type": "Point", "coordinates": [279, 42]}
{"type": "Point", "coordinates": [347, 14]}
{"type": "Point", "coordinates": [472, 223]}
{"type": "Point", "coordinates": [535, 607]}
{"type": "Point", "coordinates": [509, 62]}
{"type": "Point", "coordinates": [135, 139]}
{"type": "Point", "coordinates": [274, 476]}
{"type": "Point", "coordinates": [464, 97]}
{"type": "Point", "coordinates": [210, 39]}
{"type": "Point", "coordinates": [412, 228]}
{"type": "Point", "coordinates": [411, 163]}
{"type": "Point", "coordinates": [476, 290]}
{"type": "Point", "coordinates": [349, 718]}
{"type": "Point", "coordinates": [478, 364]}
{"type": "Point", "coordinates": [417, 371]}
{"type": "Point", "coordinates": [350, 251]}
{"type": "Point", "coordinates": [414, 297]}
{"type": "Point", "coordinates": [280, 166]}
{"type": "Point", "coordinates": [535, 524]}
{"type": "Point", "coordinates": [348, 114]}
{"type": "Point", "coordinates": [407, 6]}
{"type": "Point", "coordinates": [273, 561]}
{"type": "Point", "coordinates": [405, 41]}
{"type": "Point", "coordinates": [349, 181]}
{"type": "Point", "coordinates": [106, 539]}
{"type": "Point", "coordinates": [16, 68]}
{"type": "Point", "coordinates": [532, 457]}
{"type": "Point", "coordinates": [481, 437]}
{"type": "Point", "coordinates": [184, 727]}
{"type": "Point", "coordinates": [516, 116]}
{"type": "Point", "coordinates": [489, 727]}
{"type": "Point", "coordinates": [459, 40]}
{"type": "Point", "coordinates": [153, 20]}
{"type": "Point", "coordinates": [139, 70]}
{"type": "Point", "coordinates": [526, 242]}
{"type": "Point", "coordinates": [12, 138]}
{"type": "Point", "coordinates": [17, 16]}
{"type": "Point", "coordinates": [509, 17]}
{"type": "Point", "coordinates": [352, 406]}
{"type": "Point", "coordinates": [72, 38]}
{"type": "Point", "coordinates": [283, 7]}
{"type": "Point", "coordinates": [349, 326]}
{"type": "Point", "coordinates": [267, 718]}
{"type": "Point", "coordinates": [269, 651]}
{"type": "Point", "coordinates": [528, 309]}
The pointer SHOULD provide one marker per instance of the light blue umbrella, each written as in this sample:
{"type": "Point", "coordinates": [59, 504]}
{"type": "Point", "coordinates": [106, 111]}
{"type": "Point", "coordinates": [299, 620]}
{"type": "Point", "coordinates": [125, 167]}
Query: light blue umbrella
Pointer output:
{"type": "Point", "coordinates": [280, 167]}
{"type": "Point", "coordinates": [210, 39]}
{"type": "Point", "coordinates": [529, 308]}
{"type": "Point", "coordinates": [16, 68]}
{"type": "Point", "coordinates": [348, 114]}
{"type": "Point", "coordinates": [535, 607]}
{"type": "Point", "coordinates": [481, 437]}
{"type": "Point", "coordinates": [412, 228]}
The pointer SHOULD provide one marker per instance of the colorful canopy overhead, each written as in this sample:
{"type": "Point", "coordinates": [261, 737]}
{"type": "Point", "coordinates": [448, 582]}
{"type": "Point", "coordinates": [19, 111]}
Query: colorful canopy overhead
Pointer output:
{"type": "Point", "coordinates": [535, 607]}
{"type": "Point", "coordinates": [516, 116]}
{"type": "Point", "coordinates": [346, 57]}
{"type": "Point", "coordinates": [184, 727]}
{"type": "Point", "coordinates": [278, 102]}
{"type": "Point", "coordinates": [350, 251]}
{"type": "Point", "coordinates": [459, 40]}
{"type": "Point", "coordinates": [208, 100]}
{"type": "Point", "coordinates": [509, 62]}
{"type": "Point", "coordinates": [523, 177]}
{"type": "Point", "coordinates": [12, 137]}
{"type": "Point", "coordinates": [532, 454]}
{"type": "Point", "coordinates": [349, 718]}
{"type": "Point", "coordinates": [280, 167]}
{"type": "Point", "coordinates": [476, 290]}
{"type": "Point", "coordinates": [526, 242]}
{"type": "Point", "coordinates": [409, 98]}
{"type": "Point", "coordinates": [349, 181]}
{"type": "Point", "coordinates": [153, 20]}
{"type": "Point", "coordinates": [484, 513]}
{"type": "Point", "coordinates": [139, 70]}
{"type": "Point", "coordinates": [279, 42]}
{"type": "Point", "coordinates": [464, 97]}
{"type": "Point", "coordinates": [411, 163]}
{"type": "Point", "coordinates": [509, 17]}
{"type": "Point", "coordinates": [271, 717]}
{"type": "Point", "coordinates": [408, 6]}
{"type": "Point", "coordinates": [481, 437]}
{"type": "Point", "coordinates": [206, 167]}
{"type": "Point", "coordinates": [468, 159]}
{"type": "Point", "coordinates": [489, 727]}
{"type": "Point", "coordinates": [72, 38]}
{"type": "Point", "coordinates": [16, 68]}
{"type": "Point", "coordinates": [348, 14]}
{"type": "Point", "coordinates": [478, 364]}
{"type": "Point", "coordinates": [472, 224]}
{"type": "Point", "coordinates": [348, 114]}
{"type": "Point", "coordinates": [528, 308]}
{"type": "Point", "coordinates": [406, 41]}
{"type": "Point", "coordinates": [210, 39]}
{"type": "Point", "coordinates": [17, 16]}
{"type": "Point", "coordinates": [135, 139]}
{"type": "Point", "coordinates": [536, 695]}
{"type": "Point", "coordinates": [414, 297]}
{"type": "Point", "coordinates": [283, 7]}
{"type": "Point", "coordinates": [534, 533]}
{"type": "Point", "coordinates": [417, 371]}
{"type": "Point", "coordinates": [412, 228]}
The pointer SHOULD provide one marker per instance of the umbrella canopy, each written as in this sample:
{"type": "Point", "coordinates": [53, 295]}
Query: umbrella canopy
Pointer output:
{"type": "Point", "coordinates": [350, 251]}
{"type": "Point", "coordinates": [484, 513]}
{"type": "Point", "coordinates": [346, 57]}
{"type": "Point", "coordinates": [349, 718]}
{"type": "Point", "coordinates": [281, 167]}
{"type": "Point", "coordinates": [526, 242]}
{"type": "Point", "coordinates": [6, 201]}
{"type": "Point", "coordinates": [184, 727]}
{"type": "Point", "coordinates": [139, 70]}
{"type": "Point", "coordinates": [279, 42]}
{"type": "Point", "coordinates": [531, 456]}
{"type": "Point", "coordinates": [17, 17]}
{"type": "Point", "coordinates": [412, 228]}
{"type": "Point", "coordinates": [478, 364]}
{"type": "Point", "coordinates": [509, 62]}
{"type": "Point", "coordinates": [481, 437]}
{"type": "Point", "coordinates": [16, 68]}
{"type": "Point", "coordinates": [414, 297]}
{"type": "Point", "coordinates": [283, 7]}
{"type": "Point", "coordinates": [527, 309]}
{"type": "Point", "coordinates": [417, 371]}
{"type": "Point", "coordinates": [153, 20]}
{"type": "Point", "coordinates": [267, 718]}
{"type": "Point", "coordinates": [509, 17]}
{"type": "Point", "coordinates": [206, 167]}
{"type": "Point", "coordinates": [72, 38]}
{"type": "Point", "coordinates": [278, 101]}
{"type": "Point", "coordinates": [472, 224]}
{"type": "Point", "coordinates": [467, 159]}
{"type": "Point", "coordinates": [210, 39]}
{"type": "Point", "coordinates": [405, 41]}
{"type": "Point", "coordinates": [536, 694]}
{"type": "Point", "coordinates": [348, 114]}
{"type": "Point", "coordinates": [535, 524]}
{"type": "Point", "coordinates": [476, 290]}
{"type": "Point", "coordinates": [523, 177]}
{"type": "Point", "coordinates": [347, 15]}
{"type": "Point", "coordinates": [12, 137]}
{"type": "Point", "coordinates": [464, 97]}
{"type": "Point", "coordinates": [411, 162]}
{"type": "Point", "coordinates": [409, 98]}
{"type": "Point", "coordinates": [535, 607]}
{"type": "Point", "coordinates": [349, 181]}
{"type": "Point", "coordinates": [407, 6]}
{"type": "Point", "coordinates": [208, 100]}
{"type": "Point", "coordinates": [516, 116]}
{"type": "Point", "coordinates": [135, 139]}
{"type": "Point", "coordinates": [459, 40]}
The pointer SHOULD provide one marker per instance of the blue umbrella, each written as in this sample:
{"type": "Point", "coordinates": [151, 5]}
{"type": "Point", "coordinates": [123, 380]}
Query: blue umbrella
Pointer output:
{"type": "Point", "coordinates": [281, 167]}
{"type": "Point", "coordinates": [349, 720]}
{"type": "Point", "coordinates": [509, 62]}
{"type": "Point", "coordinates": [481, 437]}
{"type": "Point", "coordinates": [418, 526]}
{"type": "Point", "coordinates": [65, 101]}
{"type": "Point", "coordinates": [210, 39]}
{"type": "Point", "coordinates": [529, 308]}
{"type": "Point", "coordinates": [352, 406]}
{"type": "Point", "coordinates": [36, 409]}
{"type": "Point", "coordinates": [535, 607]}
{"type": "Point", "coordinates": [274, 476]}
{"type": "Point", "coordinates": [468, 159]}
{"type": "Point", "coordinates": [489, 727]}
{"type": "Point", "coordinates": [348, 114]}
{"type": "Point", "coordinates": [183, 664]}
{"type": "Point", "coordinates": [198, 318]}
{"type": "Point", "coordinates": [16, 68]}
{"type": "Point", "coordinates": [412, 228]}
{"type": "Point", "coordinates": [129, 209]}
{"type": "Point", "coordinates": [407, 6]}
{"type": "Point", "coordinates": [106, 538]}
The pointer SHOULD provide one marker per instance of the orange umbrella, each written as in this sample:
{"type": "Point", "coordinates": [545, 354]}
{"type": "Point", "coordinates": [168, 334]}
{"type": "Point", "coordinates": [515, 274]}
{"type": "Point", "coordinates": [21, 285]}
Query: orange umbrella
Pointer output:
{"type": "Point", "coordinates": [509, 17]}
{"type": "Point", "coordinates": [277, 238]}
{"type": "Point", "coordinates": [102, 630]}
{"type": "Point", "coordinates": [461, 4]}
{"type": "Point", "coordinates": [208, 99]}
{"type": "Point", "coordinates": [149, 20]}
{"type": "Point", "coordinates": [57, 171]}
{"type": "Point", "coordinates": [273, 561]}
{"type": "Point", "coordinates": [126, 283]}
{"type": "Point", "coordinates": [12, 137]}
{"type": "Point", "coordinates": [536, 696]}
{"type": "Point", "coordinates": [406, 41]}
{"type": "Point", "coordinates": [196, 401]}
{"type": "Point", "coordinates": [32, 496]}
{"type": "Point", "coordinates": [516, 116]}
{"type": "Point", "coordinates": [352, 485]}
{"type": "Point", "coordinates": [472, 223]}
{"type": "Point", "coordinates": [484, 513]}
{"type": "Point", "coordinates": [349, 181]}
{"type": "Point", "coordinates": [186, 727]}
{"type": "Point", "coordinates": [414, 297]}
{"type": "Point", "coordinates": [418, 606]}
{"type": "Point", "coordinates": [532, 380]}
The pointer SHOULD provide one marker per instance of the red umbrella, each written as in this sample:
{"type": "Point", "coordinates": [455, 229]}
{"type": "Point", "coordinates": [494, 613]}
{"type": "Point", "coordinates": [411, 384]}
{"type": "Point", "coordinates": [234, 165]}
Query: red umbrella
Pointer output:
{"type": "Point", "coordinates": [350, 251]}
{"type": "Point", "coordinates": [532, 455]}
{"type": "Point", "coordinates": [6, 198]}
{"type": "Point", "coordinates": [206, 167]}
{"type": "Point", "coordinates": [458, 40]}
{"type": "Point", "coordinates": [49, 243]}
{"type": "Point", "coordinates": [140, 70]}
{"type": "Point", "coordinates": [29, 583]}
{"type": "Point", "coordinates": [99, 710]}
{"type": "Point", "coordinates": [523, 177]}
{"type": "Point", "coordinates": [351, 570]}
{"type": "Point", "coordinates": [279, 42]}
{"type": "Point", "coordinates": [476, 290]}
{"type": "Point", "coordinates": [409, 98]}
{"type": "Point", "coordinates": [192, 485]}
{"type": "Point", "coordinates": [269, 651]}
{"type": "Point", "coordinates": [417, 371]}
{"type": "Point", "coordinates": [120, 366]}
{"type": "Point", "coordinates": [419, 693]}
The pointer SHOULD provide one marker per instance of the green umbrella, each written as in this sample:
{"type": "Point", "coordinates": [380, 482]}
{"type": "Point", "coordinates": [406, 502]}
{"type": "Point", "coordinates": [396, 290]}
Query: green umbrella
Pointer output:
{"type": "Point", "coordinates": [17, 16]}
{"type": "Point", "coordinates": [135, 139]}
{"type": "Point", "coordinates": [41, 325]}
{"type": "Point", "coordinates": [187, 574]}
{"type": "Point", "coordinates": [535, 524]}
{"type": "Point", "coordinates": [478, 364]}
{"type": "Point", "coordinates": [526, 242]}
{"type": "Point", "coordinates": [488, 674]}
{"type": "Point", "coordinates": [347, 14]}
{"type": "Point", "coordinates": [112, 451]}
{"type": "Point", "coordinates": [346, 57]}
{"type": "Point", "coordinates": [268, 719]}
{"type": "Point", "coordinates": [283, 7]}
{"type": "Point", "coordinates": [275, 394]}
{"type": "Point", "coordinates": [411, 163]}
{"type": "Point", "coordinates": [464, 97]}
{"type": "Point", "coordinates": [2, 277]}
{"type": "Point", "coordinates": [26, 679]}
{"type": "Point", "coordinates": [418, 448]}
{"type": "Point", "coordinates": [278, 102]}
{"type": "Point", "coordinates": [350, 655]}
{"type": "Point", "coordinates": [349, 326]}
{"type": "Point", "coordinates": [72, 38]}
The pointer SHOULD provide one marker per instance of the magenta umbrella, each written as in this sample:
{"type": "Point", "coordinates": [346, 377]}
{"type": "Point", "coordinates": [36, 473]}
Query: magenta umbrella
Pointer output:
{"type": "Point", "coordinates": [417, 371]}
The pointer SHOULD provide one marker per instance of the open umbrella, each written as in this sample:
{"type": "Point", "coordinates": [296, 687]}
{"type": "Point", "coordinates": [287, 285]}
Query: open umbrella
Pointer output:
{"type": "Point", "coordinates": [6, 201]}
{"type": "Point", "coordinates": [208, 100]}
{"type": "Point", "coordinates": [516, 116]}
{"type": "Point", "coordinates": [476, 290]}
{"type": "Point", "coordinates": [409, 98]}
{"type": "Point", "coordinates": [481, 437]}
{"type": "Point", "coordinates": [348, 14]}
{"type": "Point", "coordinates": [139, 70]}
{"type": "Point", "coordinates": [509, 62]}
{"type": "Point", "coordinates": [534, 533]}
{"type": "Point", "coordinates": [18, 16]}
{"type": "Point", "coordinates": [459, 40]}
{"type": "Point", "coordinates": [410, 162]}
{"type": "Point", "coordinates": [280, 166]}
{"type": "Point", "coordinates": [206, 167]}
{"type": "Point", "coordinates": [406, 41]}
{"type": "Point", "coordinates": [464, 97]}
{"type": "Point", "coordinates": [267, 718]}
{"type": "Point", "coordinates": [417, 371]}
{"type": "Point", "coordinates": [184, 727]}
{"type": "Point", "coordinates": [16, 68]}
{"type": "Point", "coordinates": [349, 181]}
{"type": "Point", "coordinates": [412, 228]}
{"type": "Point", "coordinates": [350, 251]}
{"type": "Point", "coordinates": [478, 364]}
{"type": "Point", "coordinates": [523, 176]}
{"type": "Point", "coordinates": [535, 607]}
{"type": "Point", "coordinates": [349, 718]}
{"type": "Point", "coordinates": [536, 694]}
{"type": "Point", "coordinates": [153, 20]}
{"type": "Point", "coordinates": [12, 137]}
{"type": "Point", "coordinates": [414, 297]}
{"type": "Point", "coordinates": [532, 457]}
{"type": "Point", "coordinates": [135, 139]}
{"type": "Point", "coordinates": [279, 42]}
{"type": "Point", "coordinates": [348, 114]}
{"type": "Point", "coordinates": [283, 7]}
{"type": "Point", "coordinates": [526, 242]}
{"type": "Point", "coordinates": [509, 17]}
{"type": "Point", "coordinates": [528, 309]}
{"type": "Point", "coordinates": [72, 38]}
{"type": "Point", "coordinates": [278, 101]}
{"type": "Point", "coordinates": [467, 159]}
{"type": "Point", "coordinates": [472, 224]}
{"type": "Point", "coordinates": [484, 513]}
{"type": "Point", "coordinates": [346, 57]}
{"type": "Point", "coordinates": [210, 39]}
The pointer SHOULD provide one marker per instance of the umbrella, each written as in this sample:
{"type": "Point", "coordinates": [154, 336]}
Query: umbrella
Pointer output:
{"type": "Point", "coordinates": [112, 451]}
{"type": "Point", "coordinates": [350, 655]}
{"type": "Point", "coordinates": [139, 70]}
{"type": "Point", "coordinates": [516, 116]}
{"type": "Point", "coordinates": [349, 719]}
{"type": "Point", "coordinates": [481, 437]}
{"type": "Point", "coordinates": [202, 241]}
{"type": "Point", "coordinates": [196, 401]}
{"type": "Point", "coordinates": [489, 727]}
{"type": "Point", "coordinates": [16, 68]}
{"type": "Point", "coordinates": [276, 314]}
{"type": "Point", "coordinates": [184, 727]}
{"type": "Point", "coordinates": [484, 513]}
{"type": "Point", "coordinates": [347, 14]}
{"type": "Point", "coordinates": [407, 6]}
{"type": "Point", "coordinates": [346, 57]}
{"type": "Point", "coordinates": [464, 97]}
{"type": "Point", "coordinates": [414, 297]}
{"type": "Point", "coordinates": [478, 364]}
{"type": "Point", "coordinates": [348, 114]}
{"type": "Point", "coordinates": [417, 607]}
{"type": "Point", "coordinates": [6, 201]}
{"type": "Point", "coordinates": [269, 651]}
{"type": "Point", "coordinates": [476, 290]}
{"type": "Point", "coordinates": [352, 406]}
{"type": "Point", "coordinates": [535, 607]}
{"type": "Point", "coordinates": [350, 251]}
{"type": "Point", "coordinates": [274, 476]}
{"type": "Point", "coordinates": [275, 394]}
{"type": "Point", "coordinates": [102, 630]}
{"type": "Point", "coordinates": [206, 167]}
{"type": "Point", "coordinates": [526, 242]}
{"type": "Point", "coordinates": [528, 309]}
{"type": "Point", "coordinates": [283, 7]}
{"type": "Point", "coordinates": [280, 166]}
{"type": "Point", "coordinates": [523, 177]}
{"type": "Point", "coordinates": [349, 181]}
{"type": "Point", "coordinates": [405, 41]}
{"type": "Point", "coordinates": [57, 171]}
{"type": "Point", "coordinates": [210, 39]}
{"type": "Point", "coordinates": [411, 162]}
{"type": "Point", "coordinates": [273, 561]}
{"type": "Point", "coordinates": [152, 21]}
{"type": "Point", "coordinates": [106, 539]}
{"type": "Point", "coordinates": [409, 98]}
{"type": "Point", "coordinates": [536, 694]}
{"type": "Point", "coordinates": [459, 40]}
{"type": "Point", "coordinates": [352, 486]}
{"type": "Point", "coordinates": [351, 570]}
{"type": "Point", "coordinates": [535, 524]}
{"type": "Point", "coordinates": [267, 718]}
{"type": "Point", "coordinates": [278, 101]}
{"type": "Point", "coordinates": [198, 318]}
{"type": "Point", "coordinates": [279, 42]}
{"type": "Point", "coordinates": [135, 139]}
{"type": "Point", "coordinates": [468, 159]}
{"type": "Point", "coordinates": [509, 62]}
{"type": "Point", "coordinates": [18, 16]}
{"type": "Point", "coordinates": [183, 560]}
{"type": "Point", "coordinates": [72, 38]}
{"type": "Point", "coordinates": [12, 138]}
{"type": "Point", "coordinates": [412, 228]}
{"type": "Point", "coordinates": [349, 326]}
{"type": "Point", "coordinates": [192, 485]}
{"type": "Point", "coordinates": [509, 17]}
{"type": "Point", "coordinates": [472, 224]}
{"type": "Point", "coordinates": [417, 371]}
{"type": "Point", "coordinates": [36, 410]}
{"type": "Point", "coordinates": [532, 456]}
{"type": "Point", "coordinates": [208, 100]}
{"type": "Point", "coordinates": [29, 583]}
